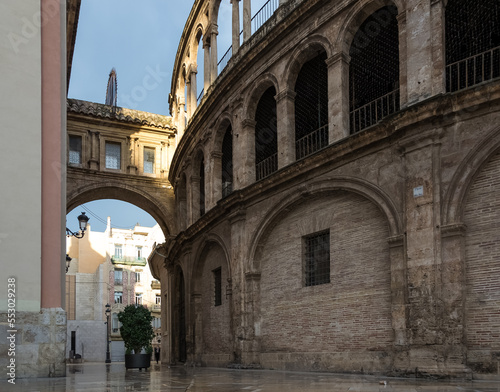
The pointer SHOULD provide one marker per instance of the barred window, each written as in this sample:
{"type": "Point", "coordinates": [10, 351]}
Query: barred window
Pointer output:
{"type": "Point", "coordinates": [217, 286]}
{"type": "Point", "coordinates": [266, 135]}
{"type": "Point", "coordinates": [317, 259]}
{"type": "Point", "coordinates": [149, 160]}
{"type": "Point", "coordinates": [227, 163]}
{"type": "Point", "coordinates": [113, 155]}
{"type": "Point", "coordinates": [75, 150]}
{"type": "Point", "coordinates": [202, 188]}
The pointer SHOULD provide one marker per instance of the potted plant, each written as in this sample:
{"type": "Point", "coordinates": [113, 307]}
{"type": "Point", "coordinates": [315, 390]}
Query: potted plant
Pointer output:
{"type": "Point", "coordinates": [137, 333]}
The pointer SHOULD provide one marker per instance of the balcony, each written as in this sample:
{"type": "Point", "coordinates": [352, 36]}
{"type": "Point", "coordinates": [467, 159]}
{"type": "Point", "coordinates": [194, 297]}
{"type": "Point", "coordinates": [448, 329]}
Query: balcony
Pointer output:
{"type": "Point", "coordinates": [155, 285]}
{"type": "Point", "coordinates": [156, 308]}
{"type": "Point", "coordinates": [138, 261]}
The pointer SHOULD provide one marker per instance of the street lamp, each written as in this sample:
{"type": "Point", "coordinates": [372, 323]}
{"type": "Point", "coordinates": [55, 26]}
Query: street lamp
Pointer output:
{"type": "Point", "coordinates": [68, 261]}
{"type": "Point", "coordinates": [108, 313]}
{"type": "Point", "coordinates": [82, 221]}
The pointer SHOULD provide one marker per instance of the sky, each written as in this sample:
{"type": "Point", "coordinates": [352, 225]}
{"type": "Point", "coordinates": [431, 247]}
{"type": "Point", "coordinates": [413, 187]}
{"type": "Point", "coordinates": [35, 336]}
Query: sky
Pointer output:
{"type": "Point", "coordinates": [139, 38]}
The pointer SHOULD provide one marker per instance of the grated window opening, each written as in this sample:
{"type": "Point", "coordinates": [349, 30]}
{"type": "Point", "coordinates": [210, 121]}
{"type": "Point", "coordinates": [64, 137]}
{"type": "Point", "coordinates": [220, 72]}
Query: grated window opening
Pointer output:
{"type": "Point", "coordinates": [149, 160]}
{"type": "Point", "coordinates": [227, 162]}
{"type": "Point", "coordinates": [113, 155]}
{"type": "Point", "coordinates": [217, 286]}
{"type": "Point", "coordinates": [374, 70]}
{"type": "Point", "coordinates": [472, 36]}
{"type": "Point", "coordinates": [75, 150]}
{"type": "Point", "coordinates": [317, 259]}
{"type": "Point", "coordinates": [266, 135]}
{"type": "Point", "coordinates": [311, 107]}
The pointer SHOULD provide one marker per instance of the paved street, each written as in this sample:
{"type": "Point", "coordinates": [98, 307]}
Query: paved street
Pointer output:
{"type": "Point", "coordinates": [91, 377]}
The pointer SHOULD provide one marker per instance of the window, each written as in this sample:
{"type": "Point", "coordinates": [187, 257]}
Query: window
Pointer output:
{"type": "Point", "coordinates": [158, 299]}
{"type": "Point", "coordinates": [138, 250]}
{"type": "Point", "coordinates": [118, 277]}
{"type": "Point", "coordinates": [156, 322]}
{"type": "Point", "coordinates": [374, 70]}
{"type": "Point", "coordinates": [118, 297]}
{"type": "Point", "coordinates": [266, 135]}
{"type": "Point", "coordinates": [149, 160]}
{"type": "Point", "coordinates": [138, 277]}
{"type": "Point", "coordinates": [317, 259]}
{"type": "Point", "coordinates": [311, 107]}
{"type": "Point", "coordinates": [138, 298]}
{"type": "Point", "coordinates": [75, 150]}
{"type": "Point", "coordinates": [115, 324]}
{"type": "Point", "coordinates": [217, 286]}
{"type": "Point", "coordinates": [113, 155]}
{"type": "Point", "coordinates": [118, 252]}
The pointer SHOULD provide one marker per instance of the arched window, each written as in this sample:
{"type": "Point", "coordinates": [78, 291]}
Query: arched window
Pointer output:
{"type": "Point", "coordinates": [227, 162]}
{"type": "Point", "coordinates": [266, 137]}
{"type": "Point", "coordinates": [472, 34]}
{"type": "Point", "coordinates": [202, 187]}
{"type": "Point", "coordinates": [374, 70]}
{"type": "Point", "coordinates": [311, 107]}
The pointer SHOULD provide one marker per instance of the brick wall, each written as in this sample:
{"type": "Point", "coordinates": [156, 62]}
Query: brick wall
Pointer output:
{"type": "Point", "coordinates": [482, 217]}
{"type": "Point", "coordinates": [352, 312]}
{"type": "Point", "coordinates": [216, 322]}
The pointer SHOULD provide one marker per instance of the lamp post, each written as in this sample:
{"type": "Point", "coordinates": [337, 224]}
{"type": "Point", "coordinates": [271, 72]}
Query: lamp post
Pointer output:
{"type": "Point", "coordinates": [82, 221]}
{"type": "Point", "coordinates": [108, 313]}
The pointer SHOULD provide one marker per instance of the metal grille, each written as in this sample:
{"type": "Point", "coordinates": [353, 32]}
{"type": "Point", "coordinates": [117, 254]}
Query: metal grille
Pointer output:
{"type": "Point", "coordinates": [472, 43]}
{"type": "Point", "coordinates": [266, 136]}
{"type": "Point", "coordinates": [374, 70]}
{"type": "Point", "coordinates": [202, 188]}
{"type": "Point", "coordinates": [217, 286]}
{"type": "Point", "coordinates": [149, 160]}
{"type": "Point", "coordinates": [262, 15]}
{"type": "Point", "coordinates": [227, 163]}
{"type": "Point", "coordinates": [311, 107]}
{"type": "Point", "coordinates": [113, 155]}
{"type": "Point", "coordinates": [75, 150]}
{"type": "Point", "coordinates": [317, 259]}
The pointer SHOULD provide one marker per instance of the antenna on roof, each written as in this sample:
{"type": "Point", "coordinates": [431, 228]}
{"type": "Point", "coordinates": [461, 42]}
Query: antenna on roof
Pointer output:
{"type": "Point", "coordinates": [111, 90]}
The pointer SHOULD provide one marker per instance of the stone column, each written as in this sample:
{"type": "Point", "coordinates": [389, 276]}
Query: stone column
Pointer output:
{"type": "Point", "coordinates": [403, 66]}
{"type": "Point", "coordinates": [244, 161]}
{"type": "Point", "coordinates": [251, 319]}
{"type": "Point", "coordinates": [421, 157]}
{"type": "Point", "coordinates": [164, 159]}
{"type": "Point", "coordinates": [338, 96]}
{"type": "Point", "coordinates": [181, 124]}
{"type": "Point", "coordinates": [285, 105]}
{"type": "Point", "coordinates": [94, 150]}
{"type": "Point", "coordinates": [206, 65]}
{"type": "Point", "coordinates": [236, 26]}
{"type": "Point", "coordinates": [438, 47]}
{"type": "Point", "coordinates": [419, 51]}
{"type": "Point", "coordinates": [247, 20]}
{"type": "Point", "coordinates": [193, 95]}
{"type": "Point", "coordinates": [133, 157]}
{"type": "Point", "coordinates": [189, 110]}
{"type": "Point", "coordinates": [213, 53]}
{"type": "Point", "coordinates": [214, 183]}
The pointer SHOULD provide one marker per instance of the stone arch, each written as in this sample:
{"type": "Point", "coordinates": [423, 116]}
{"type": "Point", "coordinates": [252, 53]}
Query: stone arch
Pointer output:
{"type": "Point", "coordinates": [453, 209]}
{"type": "Point", "coordinates": [260, 85]}
{"type": "Point", "coordinates": [224, 120]}
{"type": "Point", "coordinates": [355, 18]}
{"type": "Point", "coordinates": [304, 51]}
{"type": "Point", "coordinates": [162, 213]}
{"type": "Point", "coordinates": [354, 185]}
{"type": "Point", "coordinates": [213, 327]}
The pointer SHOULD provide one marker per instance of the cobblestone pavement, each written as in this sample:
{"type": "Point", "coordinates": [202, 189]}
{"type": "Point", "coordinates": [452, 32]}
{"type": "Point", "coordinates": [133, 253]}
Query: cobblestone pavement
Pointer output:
{"type": "Point", "coordinates": [90, 377]}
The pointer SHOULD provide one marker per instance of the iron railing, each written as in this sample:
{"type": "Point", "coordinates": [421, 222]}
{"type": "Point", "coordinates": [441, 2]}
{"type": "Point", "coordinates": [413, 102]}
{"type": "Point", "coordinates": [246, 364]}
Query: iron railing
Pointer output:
{"type": "Point", "coordinates": [473, 70]}
{"type": "Point", "coordinates": [374, 111]}
{"type": "Point", "coordinates": [312, 142]}
{"type": "Point", "coordinates": [227, 189]}
{"type": "Point", "coordinates": [260, 17]}
{"type": "Point", "coordinates": [266, 167]}
{"type": "Point", "coordinates": [200, 96]}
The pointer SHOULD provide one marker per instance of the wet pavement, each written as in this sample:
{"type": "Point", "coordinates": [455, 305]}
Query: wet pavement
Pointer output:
{"type": "Point", "coordinates": [90, 377]}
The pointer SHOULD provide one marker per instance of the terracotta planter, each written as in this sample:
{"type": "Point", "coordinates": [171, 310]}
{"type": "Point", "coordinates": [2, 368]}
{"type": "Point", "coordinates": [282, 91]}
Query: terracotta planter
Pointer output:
{"type": "Point", "coordinates": [140, 361]}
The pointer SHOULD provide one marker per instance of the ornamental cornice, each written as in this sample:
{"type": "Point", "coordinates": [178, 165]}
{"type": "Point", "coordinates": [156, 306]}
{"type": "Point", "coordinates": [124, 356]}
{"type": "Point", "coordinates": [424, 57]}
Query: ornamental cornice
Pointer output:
{"type": "Point", "coordinates": [119, 114]}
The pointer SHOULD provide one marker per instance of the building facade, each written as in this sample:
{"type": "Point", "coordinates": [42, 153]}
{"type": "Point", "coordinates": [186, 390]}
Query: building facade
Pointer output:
{"type": "Point", "coordinates": [108, 268]}
{"type": "Point", "coordinates": [336, 190]}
